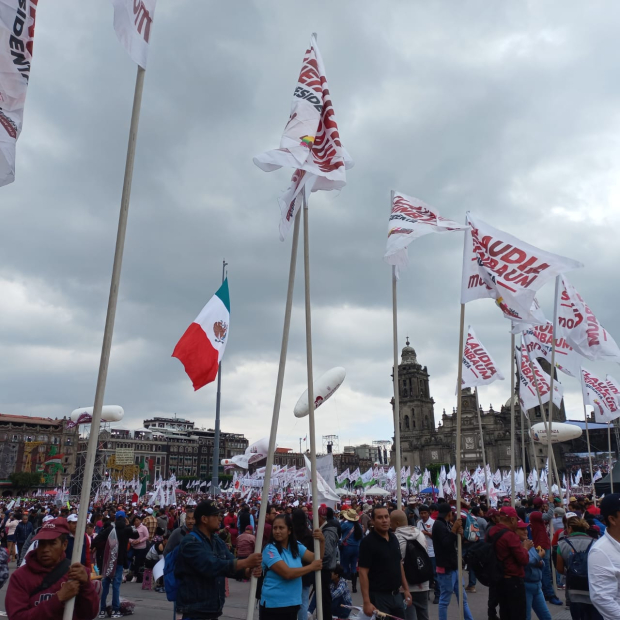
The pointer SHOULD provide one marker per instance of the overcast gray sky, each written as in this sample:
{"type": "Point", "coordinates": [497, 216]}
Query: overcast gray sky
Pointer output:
{"type": "Point", "coordinates": [509, 110]}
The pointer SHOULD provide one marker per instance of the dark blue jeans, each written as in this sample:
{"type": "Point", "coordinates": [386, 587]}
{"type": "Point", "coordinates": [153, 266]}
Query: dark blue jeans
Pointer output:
{"type": "Point", "coordinates": [116, 589]}
{"type": "Point", "coordinates": [583, 611]}
{"type": "Point", "coordinates": [435, 582]}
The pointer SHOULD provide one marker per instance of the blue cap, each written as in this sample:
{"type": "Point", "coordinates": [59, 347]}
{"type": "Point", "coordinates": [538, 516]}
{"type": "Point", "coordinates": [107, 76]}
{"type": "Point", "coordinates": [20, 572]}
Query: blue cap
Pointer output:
{"type": "Point", "coordinates": [121, 513]}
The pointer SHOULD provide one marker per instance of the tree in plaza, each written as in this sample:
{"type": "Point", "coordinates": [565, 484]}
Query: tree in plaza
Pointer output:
{"type": "Point", "coordinates": [25, 480]}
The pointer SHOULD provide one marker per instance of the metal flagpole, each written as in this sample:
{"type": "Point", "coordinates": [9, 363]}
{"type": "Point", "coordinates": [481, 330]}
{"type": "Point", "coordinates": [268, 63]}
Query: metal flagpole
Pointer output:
{"type": "Point", "coordinates": [459, 383]}
{"type": "Point", "coordinates": [315, 492]}
{"type": "Point", "coordinates": [484, 458]}
{"type": "Point", "coordinates": [107, 334]}
{"type": "Point", "coordinates": [397, 460]}
{"type": "Point", "coordinates": [276, 411]}
{"type": "Point", "coordinates": [215, 479]}
{"type": "Point", "coordinates": [611, 469]}
{"type": "Point", "coordinates": [512, 420]}
{"type": "Point", "coordinates": [585, 415]}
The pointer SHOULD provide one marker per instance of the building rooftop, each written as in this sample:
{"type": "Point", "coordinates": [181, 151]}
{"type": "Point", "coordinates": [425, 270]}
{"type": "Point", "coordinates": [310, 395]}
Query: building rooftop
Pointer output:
{"type": "Point", "coordinates": [28, 419]}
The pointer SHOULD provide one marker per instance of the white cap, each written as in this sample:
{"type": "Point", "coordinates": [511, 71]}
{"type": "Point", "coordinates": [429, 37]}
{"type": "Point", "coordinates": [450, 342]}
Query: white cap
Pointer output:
{"type": "Point", "coordinates": [48, 518]}
{"type": "Point", "coordinates": [149, 510]}
{"type": "Point", "coordinates": [72, 518]}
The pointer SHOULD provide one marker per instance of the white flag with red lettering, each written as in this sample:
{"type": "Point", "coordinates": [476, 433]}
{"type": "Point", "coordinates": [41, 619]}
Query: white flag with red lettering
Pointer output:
{"type": "Point", "coordinates": [133, 22]}
{"type": "Point", "coordinates": [527, 383]}
{"type": "Point", "coordinates": [577, 323]}
{"type": "Point", "coordinates": [479, 368]}
{"type": "Point", "coordinates": [17, 18]}
{"type": "Point", "coordinates": [614, 387]}
{"type": "Point", "coordinates": [506, 269]}
{"type": "Point", "coordinates": [598, 394]}
{"type": "Point", "coordinates": [311, 142]}
{"type": "Point", "coordinates": [412, 218]}
{"type": "Point", "coordinates": [538, 340]}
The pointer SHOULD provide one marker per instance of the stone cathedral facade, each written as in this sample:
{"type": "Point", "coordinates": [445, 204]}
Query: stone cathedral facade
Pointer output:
{"type": "Point", "coordinates": [424, 443]}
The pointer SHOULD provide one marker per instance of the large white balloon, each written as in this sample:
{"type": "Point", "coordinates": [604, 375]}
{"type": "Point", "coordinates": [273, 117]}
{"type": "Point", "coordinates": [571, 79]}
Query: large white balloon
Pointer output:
{"type": "Point", "coordinates": [324, 387]}
{"type": "Point", "coordinates": [109, 413]}
{"type": "Point", "coordinates": [559, 432]}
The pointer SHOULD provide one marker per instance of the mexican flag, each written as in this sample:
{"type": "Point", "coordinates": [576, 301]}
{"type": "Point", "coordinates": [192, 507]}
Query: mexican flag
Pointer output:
{"type": "Point", "coordinates": [202, 346]}
{"type": "Point", "coordinates": [56, 459]}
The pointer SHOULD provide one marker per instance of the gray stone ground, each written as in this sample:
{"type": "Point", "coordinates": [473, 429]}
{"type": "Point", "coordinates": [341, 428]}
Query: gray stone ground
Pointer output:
{"type": "Point", "coordinates": [153, 606]}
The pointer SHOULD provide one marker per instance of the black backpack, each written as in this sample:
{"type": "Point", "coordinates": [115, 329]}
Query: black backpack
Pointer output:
{"type": "Point", "coordinates": [577, 568]}
{"type": "Point", "coordinates": [418, 567]}
{"type": "Point", "coordinates": [482, 559]}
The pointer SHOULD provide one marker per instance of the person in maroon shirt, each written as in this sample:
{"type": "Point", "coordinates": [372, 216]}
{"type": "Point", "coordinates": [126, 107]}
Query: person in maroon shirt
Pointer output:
{"type": "Point", "coordinates": [513, 555]}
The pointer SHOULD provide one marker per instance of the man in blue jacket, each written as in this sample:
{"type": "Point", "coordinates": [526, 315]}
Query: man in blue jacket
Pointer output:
{"type": "Point", "coordinates": [203, 563]}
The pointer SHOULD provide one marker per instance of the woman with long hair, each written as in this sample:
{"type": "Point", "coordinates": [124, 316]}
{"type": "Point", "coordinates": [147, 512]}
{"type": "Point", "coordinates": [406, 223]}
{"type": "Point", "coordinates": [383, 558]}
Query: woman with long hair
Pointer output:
{"type": "Point", "coordinates": [576, 540]}
{"type": "Point", "coordinates": [352, 534]}
{"type": "Point", "coordinates": [285, 562]}
{"type": "Point", "coordinates": [303, 534]}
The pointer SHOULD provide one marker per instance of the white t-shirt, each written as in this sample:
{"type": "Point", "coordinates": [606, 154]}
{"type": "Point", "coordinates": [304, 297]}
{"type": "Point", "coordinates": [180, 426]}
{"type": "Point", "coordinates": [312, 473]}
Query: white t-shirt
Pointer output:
{"type": "Point", "coordinates": [428, 527]}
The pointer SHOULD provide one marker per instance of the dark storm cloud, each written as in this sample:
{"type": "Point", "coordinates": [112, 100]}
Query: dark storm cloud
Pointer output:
{"type": "Point", "coordinates": [506, 111]}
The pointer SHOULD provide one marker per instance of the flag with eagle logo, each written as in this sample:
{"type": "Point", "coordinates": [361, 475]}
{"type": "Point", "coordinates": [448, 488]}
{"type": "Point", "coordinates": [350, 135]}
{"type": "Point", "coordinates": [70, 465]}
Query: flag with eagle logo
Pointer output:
{"type": "Point", "coordinates": [202, 346]}
{"type": "Point", "coordinates": [311, 143]}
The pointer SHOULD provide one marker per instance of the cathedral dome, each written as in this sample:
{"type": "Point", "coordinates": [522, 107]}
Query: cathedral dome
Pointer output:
{"type": "Point", "coordinates": [408, 354]}
{"type": "Point", "coordinates": [515, 399]}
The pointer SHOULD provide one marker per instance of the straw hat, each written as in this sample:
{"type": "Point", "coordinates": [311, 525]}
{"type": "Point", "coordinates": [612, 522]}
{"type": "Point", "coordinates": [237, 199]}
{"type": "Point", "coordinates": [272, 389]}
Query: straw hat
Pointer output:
{"type": "Point", "coordinates": [351, 515]}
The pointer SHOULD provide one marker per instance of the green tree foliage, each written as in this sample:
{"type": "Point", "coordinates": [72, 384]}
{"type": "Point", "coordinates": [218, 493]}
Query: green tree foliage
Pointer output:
{"type": "Point", "coordinates": [25, 480]}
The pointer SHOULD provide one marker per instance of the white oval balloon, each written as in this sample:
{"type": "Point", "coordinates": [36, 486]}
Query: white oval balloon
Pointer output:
{"type": "Point", "coordinates": [559, 432]}
{"type": "Point", "coordinates": [324, 387]}
{"type": "Point", "coordinates": [109, 413]}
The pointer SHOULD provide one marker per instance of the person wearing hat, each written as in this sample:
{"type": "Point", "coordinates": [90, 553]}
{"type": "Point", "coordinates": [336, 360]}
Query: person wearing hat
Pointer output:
{"type": "Point", "coordinates": [446, 530]}
{"type": "Point", "coordinates": [72, 520]}
{"type": "Point", "coordinates": [604, 561]}
{"type": "Point", "coordinates": [534, 597]}
{"type": "Point", "coordinates": [350, 545]}
{"type": "Point", "coordinates": [150, 522]}
{"type": "Point", "coordinates": [541, 539]}
{"type": "Point", "coordinates": [40, 588]}
{"type": "Point", "coordinates": [513, 554]}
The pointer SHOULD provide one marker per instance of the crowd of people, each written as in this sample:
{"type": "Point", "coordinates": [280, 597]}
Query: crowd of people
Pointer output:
{"type": "Point", "coordinates": [404, 561]}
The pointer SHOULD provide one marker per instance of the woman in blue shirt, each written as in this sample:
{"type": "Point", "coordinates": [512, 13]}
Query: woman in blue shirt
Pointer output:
{"type": "Point", "coordinates": [285, 561]}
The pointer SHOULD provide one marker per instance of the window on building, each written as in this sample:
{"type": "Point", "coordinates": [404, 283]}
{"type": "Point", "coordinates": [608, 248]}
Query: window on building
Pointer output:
{"type": "Point", "coordinates": [157, 460]}
{"type": "Point", "coordinates": [15, 438]}
{"type": "Point", "coordinates": [406, 422]}
{"type": "Point", "coordinates": [68, 441]}
{"type": "Point", "coordinates": [413, 422]}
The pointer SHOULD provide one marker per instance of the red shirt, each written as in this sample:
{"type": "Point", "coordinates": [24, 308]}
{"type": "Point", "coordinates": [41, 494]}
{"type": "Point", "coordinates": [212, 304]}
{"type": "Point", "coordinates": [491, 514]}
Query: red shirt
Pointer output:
{"type": "Point", "coordinates": [510, 552]}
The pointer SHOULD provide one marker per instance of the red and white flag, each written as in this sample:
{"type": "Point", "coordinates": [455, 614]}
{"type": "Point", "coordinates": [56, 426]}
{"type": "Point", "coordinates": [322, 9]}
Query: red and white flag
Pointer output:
{"type": "Point", "coordinates": [538, 340]}
{"type": "Point", "coordinates": [506, 269]}
{"type": "Point", "coordinates": [577, 323]}
{"type": "Point", "coordinates": [614, 387]}
{"type": "Point", "coordinates": [311, 142]}
{"type": "Point", "coordinates": [133, 23]}
{"type": "Point", "coordinates": [598, 393]}
{"type": "Point", "coordinates": [479, 368]}
{"type": "Point", "coordinates": [527, 384]}
{"type": "Point", "coordinates": [17, 19]}
{"type": "Point", "coordinates": [412, 218]}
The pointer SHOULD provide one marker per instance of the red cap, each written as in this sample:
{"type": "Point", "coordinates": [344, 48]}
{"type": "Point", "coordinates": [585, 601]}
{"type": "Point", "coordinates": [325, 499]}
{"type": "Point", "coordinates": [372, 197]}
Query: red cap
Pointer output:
{"type": "Point", "coordinates": [521, 525]}
{"type": "Point", "coordinates": [508, 511]}
{"type": "Point", "coordinates": [492, 512]}
{"type": "Point", "coordinates": [52, 529]}
{"type": "Point", "coordinates": [594, 510]}
{"type": "Point", "coordinates": [322, 510]}
{"type": "Point", "coordinates": [537, 501]}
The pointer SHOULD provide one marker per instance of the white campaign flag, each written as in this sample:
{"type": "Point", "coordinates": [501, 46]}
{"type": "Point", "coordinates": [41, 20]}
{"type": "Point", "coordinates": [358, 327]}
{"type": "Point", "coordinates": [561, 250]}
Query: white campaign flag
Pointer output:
{"type": "Point", "coordinates": [528, 397]}
{"type": "Point", "coordinates": [598, 394]}
{"type": "Point", "coordinates": [538, 339]}
{"type": "Point", "coordinates": [311, 142]}
{"type": "Point", "coordinates": [577, 323]}
{"type": "Point", "coordinates": [614, 387]}
{"type": "Point", "coordinates": [410, 219]}
{"type": "Point", "coordinates": [17, 18]}
{"type": "Point", "coordinates": [133, 20]}
{"type": "Point", "coordinates": [479, 368]}
{"type": "Point", "coordinates": [508, 270]}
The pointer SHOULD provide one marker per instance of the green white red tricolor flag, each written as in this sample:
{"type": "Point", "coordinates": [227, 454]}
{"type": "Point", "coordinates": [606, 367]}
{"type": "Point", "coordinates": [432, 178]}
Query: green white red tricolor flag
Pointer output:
{"type": "Point", "coordinates": [202, 346]}
{"type": "Point", "coordinates": [133, 21]}
{"type": "Point", "coordinates": [17, 18]}
{"type": "Point", "coordinates": [311, 142]}
{"type": "Point", "coordinates": [410, 219]}
{"type": "Point", "coordinates": [508, 270]}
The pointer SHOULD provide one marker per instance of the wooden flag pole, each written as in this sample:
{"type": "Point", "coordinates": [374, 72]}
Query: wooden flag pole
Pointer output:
{"type": "Point", "coordinates": [459, 392]}
{"type": "Point", "coordinates": [106, 347]}
{"type": "Point", "coordinates": [585, 416]}
{"type": "Point", "coordinates": [397, 460]}
{"type": "Point", "coordinates": [550, 455]}
{"type": "Point", "coordinates": [611, 469]}
{"type": "Point", "coordinates": [484, 458]}
{"type": "Point", "coordinates": [276, 411]}
{"type": "Point", "coordinates": [315, 491]}
{"type": "Point", "coordinates": [512, 420]}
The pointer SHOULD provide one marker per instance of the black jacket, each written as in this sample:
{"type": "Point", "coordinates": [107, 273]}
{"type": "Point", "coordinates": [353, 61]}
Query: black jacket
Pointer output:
{"type": "Point", "coordinates": [445, 544]}
{"type": "Point", "coordinates": [99, 543]}
{"type": "Point", "coordinates": [124, 532]}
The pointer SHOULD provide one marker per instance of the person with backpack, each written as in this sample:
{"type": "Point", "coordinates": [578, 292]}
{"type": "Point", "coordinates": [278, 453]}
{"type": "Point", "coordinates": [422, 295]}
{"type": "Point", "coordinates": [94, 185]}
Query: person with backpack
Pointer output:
{"type": "Point", "coordinates": [534, 598]}
{"type": "Point", "coordinates": [196, 570]}
{"type": "Point", "coordinates": [572, 561]}
{"type": "Point", "coordinates": [417, 564]}
{"type": "Point", "coordinates": [471, 535]}
{"type": "Point", "coordinates": [350, 545]}
{"type": "Point", "coordinates": [446, 530]}
{"type": "Point", "coordinates": [425, 525]}
{"type": "Point", "coordinates": [512, 556]}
